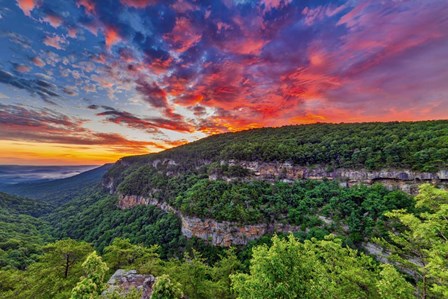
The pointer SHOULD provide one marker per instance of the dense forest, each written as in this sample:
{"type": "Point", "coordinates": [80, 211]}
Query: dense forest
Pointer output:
{"type": "Point", "coordinates": [22, 233]}
{"type": "Point", "coordinates": [283, 267]}
{"type": "Point", "coordinates": [411, 145]}
{"type": "Point", "coordinates": [67, 240]}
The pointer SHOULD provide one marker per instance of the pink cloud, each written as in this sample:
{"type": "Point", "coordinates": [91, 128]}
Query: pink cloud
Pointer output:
{"type": "Point", "coordinates": [22, 68]}
{"type": "Point", "coordinates": [184, 35]}
{"type": "Point", "coordinates": [111, 35]}
{"type": "Point", "coordinates": [53, 20]}
{"type": "Point", "coordinates": [38, 62]}
{"type": "Point", "coordinates": [26, 6]}
{"type": "Point", "coordinates": [274, 4]}
{"type": "Point", "coordinates": [88, 5]}
{"type": "Point", "coordinates": [55, 41]}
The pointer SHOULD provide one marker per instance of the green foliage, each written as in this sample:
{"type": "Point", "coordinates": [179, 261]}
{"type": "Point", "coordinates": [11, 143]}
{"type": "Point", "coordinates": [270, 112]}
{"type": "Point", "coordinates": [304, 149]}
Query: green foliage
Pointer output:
{"type": "Point", "coordinates": [192, 273]}
{"type": "Point", "coordinates": [420, 242]}
{"type": "Point", "coordinates": [300, 203]}
{"type": "Point", "coordinates": [225, 170]}
{"type": "Point", "coordinates": [122, 254]}
{"type": "Point", "coordinates": [92, 283]}
{"type": "Point", "coordinates": [411, 145]}
{"type": "Point", "coordinates": [201, 280]}
{"type": "Point", "coordinates": [22, 235]}
{"type": "Point", "coordinates": [164, 288]}
{"type": "Point", "coordinates": [132, 293]}
{"type": "Point", "coordinates": [393, 285]}
{"type": "Point", "coordinates": [311, 269]}
{"type": "Point", "coordinates": [94, 217]}
{"type": "Point", "coordinates": [54, 275]}
{"type": "Point", "coordinates": [308, 265]}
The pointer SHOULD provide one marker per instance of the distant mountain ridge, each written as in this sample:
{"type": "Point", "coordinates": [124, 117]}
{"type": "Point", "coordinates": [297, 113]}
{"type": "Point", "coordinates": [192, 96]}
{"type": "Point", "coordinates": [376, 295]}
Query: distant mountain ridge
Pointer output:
{"type": "Point", "coordinates": [13, 174]}
{"type": "Point", "coordinates": [58, 191]}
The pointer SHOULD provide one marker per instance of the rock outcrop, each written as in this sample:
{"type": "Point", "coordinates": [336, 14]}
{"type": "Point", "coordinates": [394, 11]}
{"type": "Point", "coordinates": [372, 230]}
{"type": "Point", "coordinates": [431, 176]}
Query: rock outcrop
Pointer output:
{"type": "Point", "coordinates": [218, 233]}
{"type": "Point", "coordinates": [227, 233]}
{"type": "Point", "coordinates": [123, 281]}
{"type": "Point", "coordinates": [405, 180]}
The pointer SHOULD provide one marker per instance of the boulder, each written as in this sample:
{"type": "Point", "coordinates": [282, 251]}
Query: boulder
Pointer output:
{"type": "Point", "coordinates": [124, 281]}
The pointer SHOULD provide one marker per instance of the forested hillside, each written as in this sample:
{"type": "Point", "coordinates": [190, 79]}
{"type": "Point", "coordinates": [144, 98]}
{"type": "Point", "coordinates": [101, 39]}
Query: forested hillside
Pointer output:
{"type": "Point", "coordinates": [410, 145]}
{"type": "Point", "coordinates": [22, 234]}
{"type": "Point", "coordinates": [283, 267]}
{"type": "Point", "coordinates": [68, 242]}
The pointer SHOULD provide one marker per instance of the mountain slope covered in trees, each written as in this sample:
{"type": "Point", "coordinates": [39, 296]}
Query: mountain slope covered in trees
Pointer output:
{"type": "Point", "coordinates": [22, 233]}
{"type": "Point", "coordinates": [67, 244]}
{"type": "Point", "coordinates": [408, 145]}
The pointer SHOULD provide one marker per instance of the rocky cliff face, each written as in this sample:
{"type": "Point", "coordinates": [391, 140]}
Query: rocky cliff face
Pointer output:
{"type": "Point", "coordinates": [124, 281]}
{"type": "Point", "coordinates": [231, 233]}
{"type": "Point", "coordinates": [405, 180]}
{"type": "Point", "coordinates": [218, 233]}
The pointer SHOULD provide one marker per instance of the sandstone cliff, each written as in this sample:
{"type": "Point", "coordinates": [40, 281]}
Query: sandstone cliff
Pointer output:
{"type": "Point", "coordinates": [224, 233]}
{"type": "Point", "coordinates": [218, 233]}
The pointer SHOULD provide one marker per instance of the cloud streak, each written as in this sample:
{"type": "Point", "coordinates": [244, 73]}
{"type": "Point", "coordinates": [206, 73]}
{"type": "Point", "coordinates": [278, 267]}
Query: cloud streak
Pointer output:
{"type": "Point", "coordinates": [49, 126]}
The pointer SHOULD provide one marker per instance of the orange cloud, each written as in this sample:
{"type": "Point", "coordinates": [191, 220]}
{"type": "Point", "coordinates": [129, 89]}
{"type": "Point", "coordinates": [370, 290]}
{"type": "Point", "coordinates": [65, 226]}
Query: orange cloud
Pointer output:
{"type": "Point", "coordinates": [55, 42]}
{"type": "Point", "coordinates": [112, 36]}
{"type": "Point", "coordinates": [53, 20]}
{"type": "Point", "coordinates": [26, 6]}
{"type": "Point", "coordinates": [88, 5]}
{"type": "Point", "coordinates": [38, 62]}
{"type": "Point", "coordinates": [72, 32]}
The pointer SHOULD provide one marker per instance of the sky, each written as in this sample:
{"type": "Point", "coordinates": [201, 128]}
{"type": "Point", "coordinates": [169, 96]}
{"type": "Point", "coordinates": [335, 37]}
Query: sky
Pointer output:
{"type": "Point", "coordinates": [87, 82]}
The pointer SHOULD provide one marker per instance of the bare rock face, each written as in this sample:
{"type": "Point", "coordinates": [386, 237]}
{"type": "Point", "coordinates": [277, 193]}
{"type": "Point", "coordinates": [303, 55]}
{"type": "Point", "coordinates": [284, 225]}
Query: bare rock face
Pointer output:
{"type": "Point", "coordinates": [405, 180]}
{"type": "Point", "coordinates": [130, 201]}
{"type": "Point", "coordinates": [226, 233]}
{"type": "Point", "coordinates": [219, 233]}
{"type": "Point", "coordinates": [123, 281]}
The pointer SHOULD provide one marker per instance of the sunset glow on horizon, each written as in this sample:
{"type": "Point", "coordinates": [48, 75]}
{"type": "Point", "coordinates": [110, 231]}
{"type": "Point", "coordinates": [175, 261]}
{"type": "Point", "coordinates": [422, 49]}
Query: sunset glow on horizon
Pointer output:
{"type": "Point", "coordinates": [87, 82]}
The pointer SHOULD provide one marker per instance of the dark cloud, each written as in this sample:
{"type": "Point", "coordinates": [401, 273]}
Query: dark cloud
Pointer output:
{"type": "Point", "coordinates": [150, 125]}
{"type": "Point", "coordinates": [49, 126]}
{"type": "Point", "coordinates": [47, 91]}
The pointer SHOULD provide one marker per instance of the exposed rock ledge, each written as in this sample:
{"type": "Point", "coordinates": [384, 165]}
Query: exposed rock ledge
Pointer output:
{"type": "Point", "coordinates": [403, 179]}
{"type": "Point", "coordinates": [224, 233]}
{"type": "Point", "coordinates": [124, 281]}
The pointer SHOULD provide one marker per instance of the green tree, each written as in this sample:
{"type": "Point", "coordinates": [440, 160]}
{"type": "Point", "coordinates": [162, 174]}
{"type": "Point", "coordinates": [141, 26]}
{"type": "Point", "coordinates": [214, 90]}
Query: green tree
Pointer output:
{"type": "Point", "coordinates": [56, 272]}
{"type": "Point", "coordinates": [164, 288]}
{"type": "Point", "coordinates": [193, 274]}
{"type": "Point", "coordinates": [123, 254]}
{"type": "Point", "coordinates": [393, 285]}
{"type": "Point", "coordinates": [92, 283]}
{"type": "Point", "coordinates": [420, 245]}
{"type": "Point", "coordinates": [222, 270]}
{"type": "Point", "coordinates": [312, 269]}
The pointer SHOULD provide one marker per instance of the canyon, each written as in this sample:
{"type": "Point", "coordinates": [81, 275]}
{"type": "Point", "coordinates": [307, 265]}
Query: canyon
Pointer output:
{"type": "Point", "coordinates": [225, 233]}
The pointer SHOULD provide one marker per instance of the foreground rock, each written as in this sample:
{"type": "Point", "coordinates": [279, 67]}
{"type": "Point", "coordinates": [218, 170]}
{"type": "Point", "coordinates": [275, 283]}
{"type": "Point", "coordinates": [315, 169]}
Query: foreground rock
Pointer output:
{"type": "Point", "coordinates": [123, 282]}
